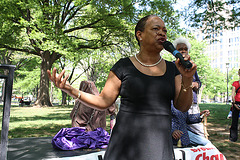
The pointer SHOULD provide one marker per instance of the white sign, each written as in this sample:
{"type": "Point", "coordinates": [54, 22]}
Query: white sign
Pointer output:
{"type": "Point", "coordinates": [208, 152]}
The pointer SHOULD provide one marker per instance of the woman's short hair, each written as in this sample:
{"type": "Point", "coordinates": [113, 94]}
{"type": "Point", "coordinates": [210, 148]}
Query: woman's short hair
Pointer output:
{"type": "Point", "coordinates": [182, 40]}
{"type": "Point", "coordinates": [141, 25]}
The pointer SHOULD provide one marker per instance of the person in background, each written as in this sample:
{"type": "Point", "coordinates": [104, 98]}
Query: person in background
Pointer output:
{"type": "Point", "coordinates": [236, 108]}
{"type": "Point", "coordinates": [182, 131]}
{"type": "Point", "coordinates": [84, 116]}
{"type": "Point", "coordinates": [113, 116]}
{"type": "Point", "coordinates": [183, 46]}
{"type": "Point", "coordinates": [146, 84]}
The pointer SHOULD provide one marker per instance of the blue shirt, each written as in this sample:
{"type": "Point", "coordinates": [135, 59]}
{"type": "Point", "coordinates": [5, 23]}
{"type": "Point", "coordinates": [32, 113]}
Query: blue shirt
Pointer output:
{"type": "Point", "coordinates": [180, 121]}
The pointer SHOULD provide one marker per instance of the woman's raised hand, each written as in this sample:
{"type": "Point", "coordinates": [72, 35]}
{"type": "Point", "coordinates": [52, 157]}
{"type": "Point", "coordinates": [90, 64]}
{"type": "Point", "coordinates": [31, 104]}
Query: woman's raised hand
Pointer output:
{"type": "Point", "coordinates": [59, 81]}
{"type": "Point", "coordinates": [186, 72]}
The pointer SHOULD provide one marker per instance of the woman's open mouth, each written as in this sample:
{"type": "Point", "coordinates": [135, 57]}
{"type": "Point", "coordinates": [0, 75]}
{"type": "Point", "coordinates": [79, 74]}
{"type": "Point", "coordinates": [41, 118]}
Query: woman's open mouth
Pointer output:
{"type": "Point", "coordinates": [161, 40]}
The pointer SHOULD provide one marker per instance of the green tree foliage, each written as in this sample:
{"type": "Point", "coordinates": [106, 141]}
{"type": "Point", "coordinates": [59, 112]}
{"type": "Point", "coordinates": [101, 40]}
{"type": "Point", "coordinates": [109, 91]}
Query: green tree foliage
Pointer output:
{"type": "Point", "coordinates": [26, 72]}
{"type": "Point", "coordinates": [232, 76]}
{"type": "Point", "coordinates": [213, 15]}
{"type": "Point", "coordinates": [51, 29]}
{"type": "Point", "coordinates": [27, 77]}
{"type": "Point", "coordinates": [213, 81]}
{"type": "Point", "coordinates": [216, 84]}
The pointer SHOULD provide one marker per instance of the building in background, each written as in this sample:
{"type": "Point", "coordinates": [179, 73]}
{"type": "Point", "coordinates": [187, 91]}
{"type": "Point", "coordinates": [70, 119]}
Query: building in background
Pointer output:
{"type": "Point", "coordinates": [224, 45]}
{"type": "Point", "coordinates": [225, 50]}
{"type": "Point", "coordinates": [224, 53]}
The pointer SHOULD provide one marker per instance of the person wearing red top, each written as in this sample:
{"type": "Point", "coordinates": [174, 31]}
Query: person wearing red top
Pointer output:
{"type": "Point", "coordinates": [235, 112]}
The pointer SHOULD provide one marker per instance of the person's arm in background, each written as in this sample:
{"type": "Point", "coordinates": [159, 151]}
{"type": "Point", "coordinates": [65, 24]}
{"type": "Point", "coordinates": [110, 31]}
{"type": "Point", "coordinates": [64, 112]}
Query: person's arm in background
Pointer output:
{"type": "Point", "coordinates": [176, 133]}
{"type": "Point", "coordinates": [175, 130]}
{"type": "Point", "coordinates": [233, 98]}
{"type": "Point", "coordinates": [233, 94]}
{"type": "Point", "coordinates": [193, 118]}
{"type": "Point", "coordinates": [196, 82]}
{"type": "Point", "coordinates": [196, 118]}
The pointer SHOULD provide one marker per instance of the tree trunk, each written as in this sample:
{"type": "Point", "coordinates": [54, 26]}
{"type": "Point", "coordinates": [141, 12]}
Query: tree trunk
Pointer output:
{"type": "Point", "coordinates": [200, 93]}
{"type": "Point", "coordinates": [51, 92]}
{"type": "Point", "coordinates": [43, 92]}
{"type": "Point", "coordinates": [64, 95]}
{"type": "Point", "coordinates": [64, 98]}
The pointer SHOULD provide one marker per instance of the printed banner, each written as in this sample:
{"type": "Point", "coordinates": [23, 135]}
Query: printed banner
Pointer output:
{"type": "Point", "coordinates": [208, 152]}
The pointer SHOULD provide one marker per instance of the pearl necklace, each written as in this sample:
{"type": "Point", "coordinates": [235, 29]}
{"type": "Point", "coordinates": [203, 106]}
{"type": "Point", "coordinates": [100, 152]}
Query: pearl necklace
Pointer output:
{"type": "Point", "coordinates": [149, 65]}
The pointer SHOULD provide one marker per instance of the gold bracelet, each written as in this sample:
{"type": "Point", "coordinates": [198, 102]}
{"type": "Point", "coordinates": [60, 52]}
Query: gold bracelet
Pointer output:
{"type": "Point", "coordinates": [185, 88]}
{"type": "Point", "coordinates": [79, 95]}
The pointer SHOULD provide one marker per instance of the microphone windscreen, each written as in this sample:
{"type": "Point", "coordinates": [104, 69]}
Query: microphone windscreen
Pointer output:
{"type": "Point", "coordinates": [168, 46]}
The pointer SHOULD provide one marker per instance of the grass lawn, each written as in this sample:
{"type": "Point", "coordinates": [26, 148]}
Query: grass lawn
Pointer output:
{"type": "Point", "coordinates": [39, 122]}
{"type": "Point", "coordinates": [218, 129]}
{"type": "Point", "coordinates": [47, 121]}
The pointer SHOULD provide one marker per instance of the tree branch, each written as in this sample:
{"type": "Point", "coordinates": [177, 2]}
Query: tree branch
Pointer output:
{"type": "Point", "coordinates": [90, 25]}
{"type": "Point", "coordinates": [85, 26]}
{"type": "Point", "coordinates": [80, 75]}
{"type": "Point", "coordinates": [96, 47]}
{"type": "Point", "coordinates": [18, 49]}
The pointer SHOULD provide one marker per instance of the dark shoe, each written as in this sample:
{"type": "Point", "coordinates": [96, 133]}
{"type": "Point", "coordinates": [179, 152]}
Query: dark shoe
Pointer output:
{"type": "Point", "coordinates": [232, 140]}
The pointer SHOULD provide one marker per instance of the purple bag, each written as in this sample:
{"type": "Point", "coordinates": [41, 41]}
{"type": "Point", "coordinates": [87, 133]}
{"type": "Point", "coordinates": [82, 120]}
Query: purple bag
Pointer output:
{"type": "Point", "coordinates": [76, 138]}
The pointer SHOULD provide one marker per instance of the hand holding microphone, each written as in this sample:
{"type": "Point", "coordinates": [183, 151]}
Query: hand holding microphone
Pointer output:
{"type": "Point", "coordinates": [169, 47]}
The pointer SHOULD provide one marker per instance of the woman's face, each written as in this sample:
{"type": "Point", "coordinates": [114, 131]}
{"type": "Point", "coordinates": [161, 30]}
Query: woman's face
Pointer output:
{"type": "Point", "coordinates": [182, 48]}
{"type": "Point", "coordinates": [154, 34]}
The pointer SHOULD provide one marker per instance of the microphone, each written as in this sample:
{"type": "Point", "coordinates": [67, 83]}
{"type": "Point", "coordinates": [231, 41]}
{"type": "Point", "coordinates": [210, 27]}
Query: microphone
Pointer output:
{"type": "Point", "coordinates": [170, 48]}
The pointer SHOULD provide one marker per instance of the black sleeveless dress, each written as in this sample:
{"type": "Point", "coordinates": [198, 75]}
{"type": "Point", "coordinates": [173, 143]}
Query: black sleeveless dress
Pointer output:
{"type": "Point", "coordinates": [143, 125]}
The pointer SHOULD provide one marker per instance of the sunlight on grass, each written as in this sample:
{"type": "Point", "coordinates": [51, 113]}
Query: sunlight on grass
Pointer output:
{"type": "Point", "coordinates": [38, 122]}
{"type": "Point", "coordinates": [218, 129]}
{"type": "Point", "coordinates": [218, 112]}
